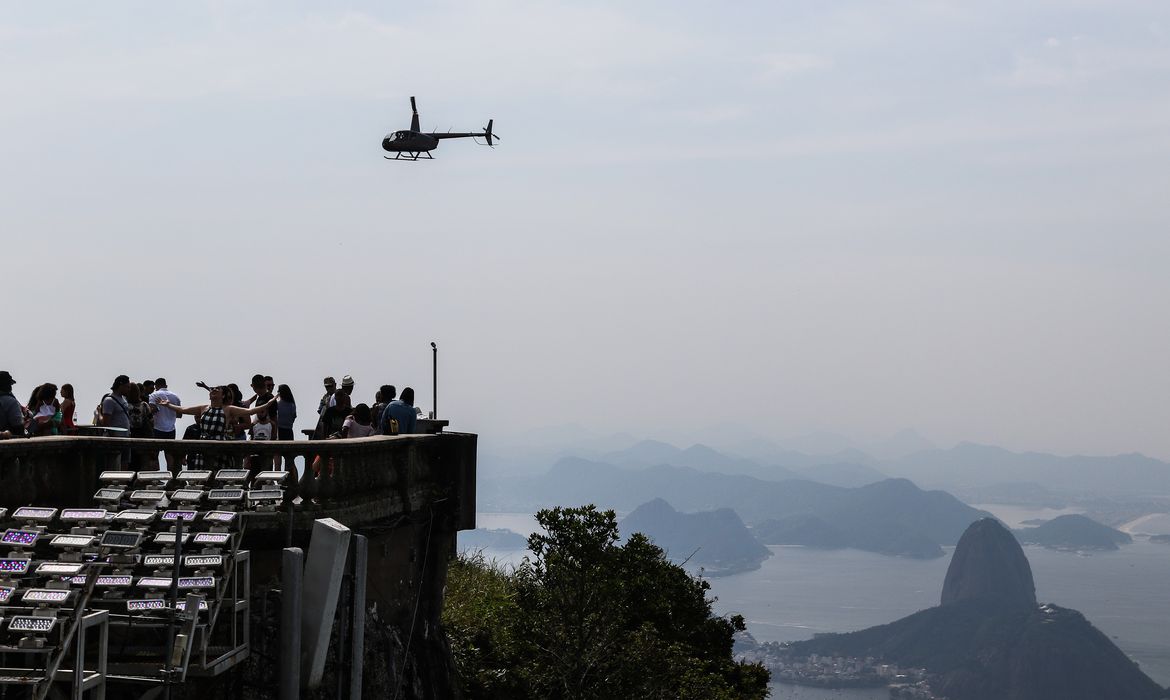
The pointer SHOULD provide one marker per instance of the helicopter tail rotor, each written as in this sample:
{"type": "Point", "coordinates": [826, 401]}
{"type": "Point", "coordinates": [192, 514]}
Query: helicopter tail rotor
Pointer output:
{"type": "Point", "coordinates": [487, 132]}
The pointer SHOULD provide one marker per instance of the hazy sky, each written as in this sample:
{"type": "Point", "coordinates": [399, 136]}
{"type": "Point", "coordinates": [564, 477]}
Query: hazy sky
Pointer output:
{"type": "Point", "coordinates": [803, 216]}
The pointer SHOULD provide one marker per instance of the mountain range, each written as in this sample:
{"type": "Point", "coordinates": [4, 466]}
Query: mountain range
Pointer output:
{"type": "Point", "coordinates": [979, 473]}
{"type": "Point", "coordinates": [892, 516]}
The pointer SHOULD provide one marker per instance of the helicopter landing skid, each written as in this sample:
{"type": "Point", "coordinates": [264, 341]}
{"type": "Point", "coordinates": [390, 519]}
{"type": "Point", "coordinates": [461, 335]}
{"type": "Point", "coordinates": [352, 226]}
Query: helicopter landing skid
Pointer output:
{"type": "Point", "coordinates": [411, 156]}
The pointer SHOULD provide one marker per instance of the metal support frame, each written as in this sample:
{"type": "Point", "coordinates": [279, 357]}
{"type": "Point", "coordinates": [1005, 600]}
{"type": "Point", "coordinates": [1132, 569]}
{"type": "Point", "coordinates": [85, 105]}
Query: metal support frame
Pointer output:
{"type": "Point", "coordinates": [80, 679]}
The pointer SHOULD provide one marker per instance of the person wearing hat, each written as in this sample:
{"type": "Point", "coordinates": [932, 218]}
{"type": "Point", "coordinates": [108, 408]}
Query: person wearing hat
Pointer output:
{"type": "Point", "coordinates": [347, 389]}
{"type": "Point", "coordinates": [330, 387]}
{"type": "Point", "coordinates": [11, 417]}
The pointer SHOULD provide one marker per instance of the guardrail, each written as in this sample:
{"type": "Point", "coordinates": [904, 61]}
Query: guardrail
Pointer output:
{"type": "Point", "coordinates": [359, 481]}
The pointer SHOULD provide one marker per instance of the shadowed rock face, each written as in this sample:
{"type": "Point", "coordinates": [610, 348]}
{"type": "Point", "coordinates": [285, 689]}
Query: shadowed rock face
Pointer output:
{"type": "Point", "coordinates": [990, 641]}
{"type": "Point", "coordinates": [989, 565]}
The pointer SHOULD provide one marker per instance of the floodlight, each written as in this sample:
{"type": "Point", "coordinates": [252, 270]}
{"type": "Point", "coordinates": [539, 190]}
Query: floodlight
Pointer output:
{"type": "Point", "coordinates": [136, 516]}
{"type": "Point", "coordinates": [20, 538]}
{"type": "Point", "coordinates": [146, 604]}
{"type": "Point", "coordinates": [212, 538]}
{"type": "Point", "coordinates": [220, 516]}
{"type": "Point", "coordinates": [46, 595]}
{"type": "Point", "coordinates": [59, 568]}
{"type": "Point", "coordinates": [226, 495]}
{"type": "Point", "coordinates": [14, 565]}
{"type": "Point", "coordinates": [188, 495]}
{"type": "Point", "coordinates": [265, 495]}
{"type": "Point", "coordinates": [158, 561]}
{"type": "Point", "coordinates": [116, 539]}
{"type": "Point", "coordinates": [116, 477]}
{"type": "Point", "coordinates": [197, 582]}
{"type": "Point", "coordinates": [168, 538]}
{"type": "Point", "coordinates": [203, 561]}
{"type": "Point", "coordinates": [111, 495]}
{"type": "Point", "coordinates": [155, 476]}
{"type": "Point", "coordinates": [182, 605]}
{"type": "Point", "coordinates": [34, 514]}
{"type": "Point", "coordinates": [273, 476]}
{"type": "Point", "coordinates": [32, 623]}
{"type": "Point", "coordinates": [154, 582]}
{"type": "Point", "coordinates": [148, 495]}
{"type": "Point", "coordinates": [186, 515]}
{"type": "Point", "coordinates": [194, 475]}
{"type": "Point", "coordinates": [6, 594]}
{"type": "Point", "coordinates": [77, 541]}
{"type": "Point", "coordinates": [114, 580]}
{"type": "Point", "coordinates": [231, 475]}
{"type": "Point", "coordinates": [81, 515]}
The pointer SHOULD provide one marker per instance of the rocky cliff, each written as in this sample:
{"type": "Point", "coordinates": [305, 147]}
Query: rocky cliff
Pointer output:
{"type": "Point", "coordinates": [989, 564]}
{"type": "Point", "coordinates": [989, 640]}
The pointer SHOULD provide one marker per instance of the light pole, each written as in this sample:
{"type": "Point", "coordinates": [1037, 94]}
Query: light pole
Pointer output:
{"type": "Point", "coordinates": [434, 380]}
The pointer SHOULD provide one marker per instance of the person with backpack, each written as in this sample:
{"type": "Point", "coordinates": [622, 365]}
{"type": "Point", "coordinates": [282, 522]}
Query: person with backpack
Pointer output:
{"type": "Point", "coordinates": [114, 410]}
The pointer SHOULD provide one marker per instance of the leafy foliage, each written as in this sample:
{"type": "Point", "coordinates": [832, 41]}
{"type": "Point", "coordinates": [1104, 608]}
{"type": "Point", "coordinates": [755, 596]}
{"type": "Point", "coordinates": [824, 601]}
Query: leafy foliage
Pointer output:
{"type": "Point", "coordinates": [584, 617]}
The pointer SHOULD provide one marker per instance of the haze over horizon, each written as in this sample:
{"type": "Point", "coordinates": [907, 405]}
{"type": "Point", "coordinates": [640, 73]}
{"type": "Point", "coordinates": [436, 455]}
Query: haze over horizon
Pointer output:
{"type": "Point", "coordinates": [781, 215]}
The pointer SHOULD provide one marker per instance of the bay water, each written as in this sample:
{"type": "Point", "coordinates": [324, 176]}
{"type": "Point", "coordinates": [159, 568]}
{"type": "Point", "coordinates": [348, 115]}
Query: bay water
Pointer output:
{"type": "Point", "coordinates": [799, 592]}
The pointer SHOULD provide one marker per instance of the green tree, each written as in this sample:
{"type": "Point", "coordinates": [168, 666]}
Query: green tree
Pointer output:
{"type": "Point", "coordinates": [585, 617]}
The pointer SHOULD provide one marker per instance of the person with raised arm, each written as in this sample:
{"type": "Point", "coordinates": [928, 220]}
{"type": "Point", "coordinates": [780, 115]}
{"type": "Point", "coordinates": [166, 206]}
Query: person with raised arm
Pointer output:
{"type": "Point", "coordinates": [215, 416]}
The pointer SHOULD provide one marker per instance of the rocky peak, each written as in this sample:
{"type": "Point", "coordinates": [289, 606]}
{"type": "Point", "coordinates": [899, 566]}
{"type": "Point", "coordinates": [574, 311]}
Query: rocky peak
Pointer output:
{"type": "Point", "coordinates": [989, 565]}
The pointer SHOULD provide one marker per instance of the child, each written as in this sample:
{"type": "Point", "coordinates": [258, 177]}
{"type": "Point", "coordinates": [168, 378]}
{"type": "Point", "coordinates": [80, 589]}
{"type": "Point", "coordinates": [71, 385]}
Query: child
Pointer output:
{"type": "Point", "coordinates": [263, 429]}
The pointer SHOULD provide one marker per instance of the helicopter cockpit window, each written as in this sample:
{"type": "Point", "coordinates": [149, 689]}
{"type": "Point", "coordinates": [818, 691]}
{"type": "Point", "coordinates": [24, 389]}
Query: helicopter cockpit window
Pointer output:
{"type": "Point", "coordinates": [392, 135]}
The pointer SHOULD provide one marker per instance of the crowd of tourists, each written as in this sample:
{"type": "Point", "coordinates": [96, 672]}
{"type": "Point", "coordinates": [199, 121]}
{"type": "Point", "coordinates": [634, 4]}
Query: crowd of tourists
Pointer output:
{"type": "Point", "coordinates": [149, 409]}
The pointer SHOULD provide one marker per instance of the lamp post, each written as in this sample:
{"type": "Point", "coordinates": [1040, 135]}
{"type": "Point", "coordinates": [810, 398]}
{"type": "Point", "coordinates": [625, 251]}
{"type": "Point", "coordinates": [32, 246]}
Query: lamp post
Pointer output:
{"type": "Point", "coordinates": [434, 380]}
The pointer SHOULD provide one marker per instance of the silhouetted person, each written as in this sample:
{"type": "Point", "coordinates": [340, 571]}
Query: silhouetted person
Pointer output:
{"type": "Point", "coordinates": [385, 395]}
{"type": "Point", "coordinates": [164, 417]}
{"type": "Point", "coordinates": [11, 417]}
{"type": "Point", "coordinates": [401, 410]}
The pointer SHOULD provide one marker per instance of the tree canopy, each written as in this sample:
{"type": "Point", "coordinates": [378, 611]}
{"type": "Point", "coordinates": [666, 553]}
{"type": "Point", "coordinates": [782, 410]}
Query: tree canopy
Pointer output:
{"type": "Point", "coordinates": [585, 617]}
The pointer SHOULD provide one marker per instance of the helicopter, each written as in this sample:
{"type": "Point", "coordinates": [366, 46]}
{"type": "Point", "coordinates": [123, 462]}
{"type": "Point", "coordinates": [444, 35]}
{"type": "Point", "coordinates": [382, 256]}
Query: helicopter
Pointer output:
{"type": "Point", "coordinates": [412, 143]}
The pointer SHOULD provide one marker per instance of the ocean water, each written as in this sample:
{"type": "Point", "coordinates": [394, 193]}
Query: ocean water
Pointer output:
{"type": "Point", "coordinates": [799, 592]}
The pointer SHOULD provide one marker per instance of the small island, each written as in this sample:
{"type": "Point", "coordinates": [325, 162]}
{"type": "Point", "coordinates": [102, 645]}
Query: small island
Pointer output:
{"type": "Point", "coordinates": [1074, 533]}
{"type": "Point", "coordinates": [716, 540]}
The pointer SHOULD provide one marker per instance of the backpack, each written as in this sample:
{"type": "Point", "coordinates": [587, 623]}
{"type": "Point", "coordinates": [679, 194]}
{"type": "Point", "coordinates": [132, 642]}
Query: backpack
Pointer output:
{"type": "Point", "coordinates": [97, 412]}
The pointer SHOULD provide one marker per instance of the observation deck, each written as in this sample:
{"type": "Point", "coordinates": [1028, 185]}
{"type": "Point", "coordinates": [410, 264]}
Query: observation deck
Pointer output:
{"type": "Point", "coordinates": [116, 620]}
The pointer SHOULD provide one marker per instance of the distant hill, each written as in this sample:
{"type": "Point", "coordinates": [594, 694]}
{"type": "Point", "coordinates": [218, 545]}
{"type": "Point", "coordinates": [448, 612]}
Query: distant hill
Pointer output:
{"type": "Point", "coordinates": [849, 474]}
{"type": "Point", "coordinates": [1074, 532]}
{"type": "Point", "coordinates": [969, 465]}
{"type": "Point", "coordinates": [717, 540]}
{"type": "Point", "coordinates": [651, 453]}
{"type": "Point", "coordinates": [989, 638]}
{"type": "Point", "coordinates": [805, 530]}
{"type": "Point", "coordinates": [891, 516]}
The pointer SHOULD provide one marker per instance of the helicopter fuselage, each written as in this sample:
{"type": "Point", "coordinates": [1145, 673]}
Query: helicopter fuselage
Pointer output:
{"type": "Point", "coordinates": [409, 142]}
